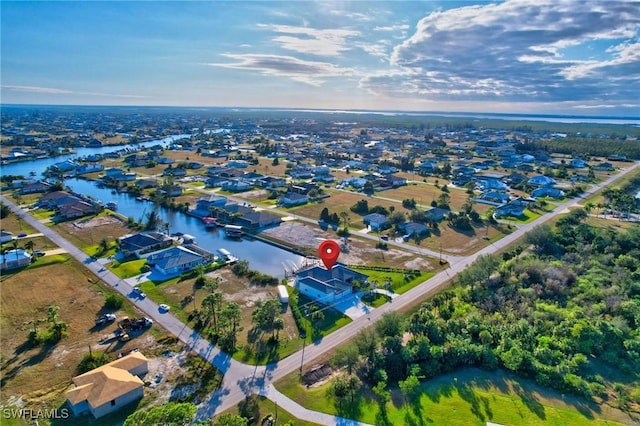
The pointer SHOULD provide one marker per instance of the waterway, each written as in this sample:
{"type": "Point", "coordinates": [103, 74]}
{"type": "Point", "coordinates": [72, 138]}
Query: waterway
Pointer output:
{"type": "Point", "coordinates": [261, 256]}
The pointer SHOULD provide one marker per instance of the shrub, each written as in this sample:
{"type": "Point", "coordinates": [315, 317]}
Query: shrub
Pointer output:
{"type": "Point", "coordinates": [92, 360]}
{"type": "Point", "coordinates": [113, 301]}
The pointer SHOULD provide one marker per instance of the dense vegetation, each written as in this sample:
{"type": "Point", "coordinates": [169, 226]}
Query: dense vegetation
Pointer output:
{"type": "Point", "coordinates": [586, 147]}
{"type": "Point", "coordinates": [565, 313]}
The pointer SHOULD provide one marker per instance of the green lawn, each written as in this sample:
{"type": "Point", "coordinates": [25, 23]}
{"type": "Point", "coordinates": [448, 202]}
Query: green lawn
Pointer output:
{"type": "Point", "coordinates": [127, 269]}
{"type": "Point", "coordinates": [467, 397]}
{"type": "Point", "coordinates": [260, 407]}
{"type": "Point", "coordinates": [400, 282]}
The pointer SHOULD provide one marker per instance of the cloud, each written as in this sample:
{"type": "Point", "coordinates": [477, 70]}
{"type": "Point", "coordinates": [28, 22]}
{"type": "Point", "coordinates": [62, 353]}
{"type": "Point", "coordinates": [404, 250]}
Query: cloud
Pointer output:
{"type": "Point", "coordinates": [309, 72]}
{"type": "Point", "coordinates": [517, 51]}
{"type": "Point", "coordinates": [326, 42]}
{"type": "Point", "coordinates": [397, 27]}
{"type": "Point", "coordinates": [35, 89]}
{"type": "Point", "coordinates": [52, 91]}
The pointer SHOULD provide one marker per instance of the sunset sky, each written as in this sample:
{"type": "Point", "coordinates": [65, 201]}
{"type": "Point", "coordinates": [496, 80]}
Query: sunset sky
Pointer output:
{"type": "Point", "coordinates": [549, 57]}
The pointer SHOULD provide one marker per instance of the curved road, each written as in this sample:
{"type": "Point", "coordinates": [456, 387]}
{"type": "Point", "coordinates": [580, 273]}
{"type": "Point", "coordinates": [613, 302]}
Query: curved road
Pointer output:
{"type": "Point", "coordinates": [241, 380]}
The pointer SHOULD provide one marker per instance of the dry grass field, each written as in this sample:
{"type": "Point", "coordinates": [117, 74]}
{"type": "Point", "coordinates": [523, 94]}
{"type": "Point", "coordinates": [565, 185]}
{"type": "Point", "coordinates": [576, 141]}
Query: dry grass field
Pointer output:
{"type": "Point", "coordinates": [42, 373]}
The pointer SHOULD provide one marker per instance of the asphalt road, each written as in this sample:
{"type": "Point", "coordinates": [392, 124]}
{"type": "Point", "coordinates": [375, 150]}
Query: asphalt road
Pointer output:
{"type": "Point", "coordinates": [241, 380]}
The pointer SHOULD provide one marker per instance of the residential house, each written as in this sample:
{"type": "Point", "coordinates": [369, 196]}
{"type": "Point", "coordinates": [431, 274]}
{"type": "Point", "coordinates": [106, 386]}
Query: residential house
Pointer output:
{"type": "Point", "coordinates": [577, 163]}
{"type": "Point", "coordinates": [271, 182]}
{"type": "Point", "coordinates": [327, 285]}
{"type": "Point", "coordinates": [413, 228]}
{"type": "Point", "coordinates": [174, 171]}
{"type": "Point", "coordinates": [119, 175]}
{"type": "Point", "coordinates": [89, 168]}
{"type": "Point", "coordinates": [35, 187]}
{"type": "Point", "coordinates": [144, 242]}
{"type": "Point", "coordinates": [170, 190]}
{"type": "Point", "coordinates": [5, 236]}
{"type": "Point", "coordinates": [395, 181]}
{"type": "Point", "coordinates": [56, 199]}
{"type": "Point", "coordinates": [290, 199]}
{"type": "Point", "coordinates": [12, 259]}
{"type": "Point", "coordinates": [110, 387]}
{"type": "Point", "coordinates": [548, 191]}
{"type": "Point", "coordinates": [489, 183]}
{"type": "Point", "coordinates": [376, 221]}
{"type": "Point", "coordinates": [604, 167]}
{"type": "Point", "coordinates": [541, 180]}
{"type": "Point", "coordinates": [65, 166]}
{"type": "Point", "coordinates": [238, 164]}
{"type": "Point", "coordinates": [204, 205]}
{"type": "Point", "coordinates": [436, 214]}
{"type": "Point", "coordinates": [236, 185]}
{"type": "Point", "coordinates": [147, 183]}
{"type": "Point", "coordinates": [493, 198]}
{"type": "Point", "coordinates": [258, 220]}
{"type": "Point", "coordinates": [514, 208]}
{"type": "Point", "coordinates": [174, 260]}
{"type": "Point", "coordinates": [76, 209]}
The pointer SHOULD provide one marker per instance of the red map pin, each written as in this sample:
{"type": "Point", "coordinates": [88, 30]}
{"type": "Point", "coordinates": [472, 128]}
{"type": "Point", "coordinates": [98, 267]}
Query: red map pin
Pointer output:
{"type": "Point", "coordinates": [329, 251]}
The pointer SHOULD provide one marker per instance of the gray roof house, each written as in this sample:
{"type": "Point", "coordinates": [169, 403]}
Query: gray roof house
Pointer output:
{"type": "Point", "coordinates": [175, 260]}
{"type": "Point", "coordinates": [375, 221]}
{"type": "Point", "coordinates": [327, 286]}
{"type": "Point", "coordinates": [138, 244]}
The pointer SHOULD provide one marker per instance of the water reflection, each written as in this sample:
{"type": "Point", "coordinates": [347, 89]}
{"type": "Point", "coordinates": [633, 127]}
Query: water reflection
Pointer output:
{"type": "Point", "coordinates": [261, 256]}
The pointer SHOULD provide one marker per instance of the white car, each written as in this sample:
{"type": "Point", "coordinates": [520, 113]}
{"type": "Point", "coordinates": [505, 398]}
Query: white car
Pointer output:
{"type": "Point", "coordinates": [163, 308]}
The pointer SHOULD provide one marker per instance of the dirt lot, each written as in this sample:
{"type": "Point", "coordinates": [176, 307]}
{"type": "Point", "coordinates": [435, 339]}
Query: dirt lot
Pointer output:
{"type": "Point", "coordinates": [90, 231]}
{"type": "Point", "coordinates": [358, 252]}
{"type": "Point", "coordinates": [41, 374]}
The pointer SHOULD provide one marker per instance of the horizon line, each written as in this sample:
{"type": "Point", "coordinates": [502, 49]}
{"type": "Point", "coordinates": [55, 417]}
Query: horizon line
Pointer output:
{"type": "Point", "coordinates": [311, 109]}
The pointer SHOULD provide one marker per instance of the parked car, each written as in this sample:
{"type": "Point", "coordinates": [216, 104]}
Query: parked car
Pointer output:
{"type": "Point", "coordinates": [138, 293]}
{"type": "Point", "coordinates": [22, 235]}
{"type": "Point", "coordinates": [38, 253]}
{"type": "Point", "coordinates": [105, 319]}
{"type": "Point", "coordinates": [164, 308]}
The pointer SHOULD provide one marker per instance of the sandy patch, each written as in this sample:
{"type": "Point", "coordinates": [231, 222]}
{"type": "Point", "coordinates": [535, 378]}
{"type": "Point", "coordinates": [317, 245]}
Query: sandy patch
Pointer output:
{"type": "Point", "coordinates": [97, 221]}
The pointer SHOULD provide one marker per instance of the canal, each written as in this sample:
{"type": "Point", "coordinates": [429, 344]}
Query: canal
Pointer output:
{"type": "Point", "coordinates": [261, 256]}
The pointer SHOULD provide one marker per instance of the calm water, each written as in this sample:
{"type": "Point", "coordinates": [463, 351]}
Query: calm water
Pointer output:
{"type": "Point", "coordinates": [261, 256]}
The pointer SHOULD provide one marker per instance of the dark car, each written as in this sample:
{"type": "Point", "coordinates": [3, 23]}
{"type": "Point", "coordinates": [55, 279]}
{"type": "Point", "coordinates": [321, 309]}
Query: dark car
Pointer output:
{"type": "Point", "coordinates": [22, 235]}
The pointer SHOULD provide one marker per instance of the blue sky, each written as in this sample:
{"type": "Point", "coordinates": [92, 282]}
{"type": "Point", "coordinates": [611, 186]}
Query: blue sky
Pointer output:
{"type": "Point", "coordinates": [542, 56]}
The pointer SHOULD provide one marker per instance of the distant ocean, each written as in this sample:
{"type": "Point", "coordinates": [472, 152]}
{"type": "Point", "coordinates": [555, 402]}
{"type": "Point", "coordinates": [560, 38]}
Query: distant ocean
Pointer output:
{"type": "Point", "coordinates": [634, 121]}
{"type": "Point", "coordinates": [477, 115]}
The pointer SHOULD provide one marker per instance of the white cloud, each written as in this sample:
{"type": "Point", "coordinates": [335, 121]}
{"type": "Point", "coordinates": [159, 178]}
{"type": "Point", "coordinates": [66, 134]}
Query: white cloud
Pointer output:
{"type": "Point", "coordinates": [35, 89]}
{"type": "Point", "coordinates": [397, 27]}
{"type": "Point", "coordinates": [514, 51]}
{"type": "Point", "coordinates": [53, 91]}
{"type": "Point", "coordinates": [309, 72]}
{"type": "Point", "coordinates": [321, 42]}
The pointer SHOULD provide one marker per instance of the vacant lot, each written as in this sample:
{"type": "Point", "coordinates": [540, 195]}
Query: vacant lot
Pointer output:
{"type": "Point", "coordinates": [40, 374]}
{"type": "Point", "coordinates": [86, 233]}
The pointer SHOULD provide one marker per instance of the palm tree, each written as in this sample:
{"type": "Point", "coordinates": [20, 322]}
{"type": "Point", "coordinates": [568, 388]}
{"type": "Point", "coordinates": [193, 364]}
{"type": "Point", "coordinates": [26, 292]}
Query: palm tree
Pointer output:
{"type": "Point", "coordinates": [345, 219]}
{"type": "Point", "coordinates": [29, 245]}
{"type": "Point", "coordinates": [278, 324]}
